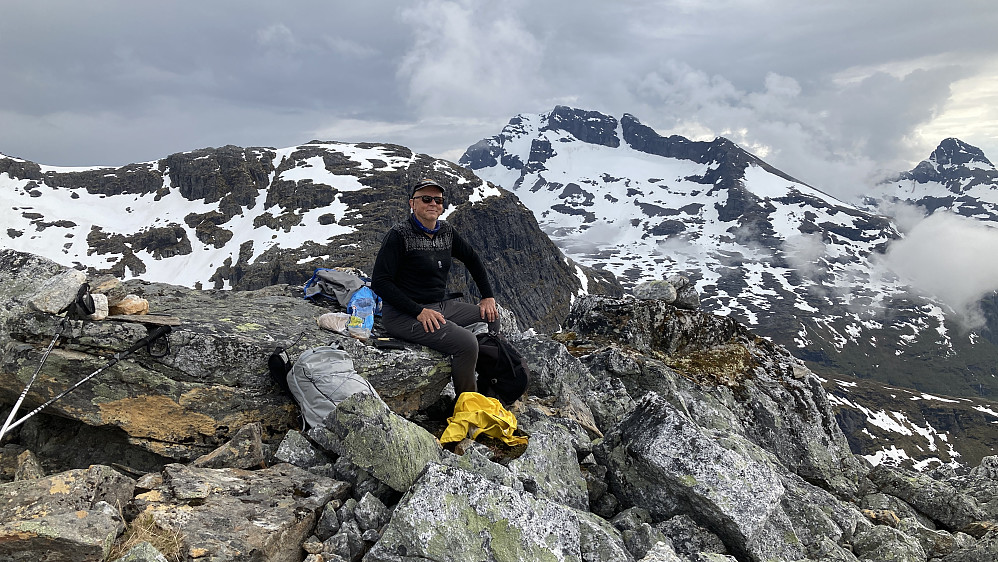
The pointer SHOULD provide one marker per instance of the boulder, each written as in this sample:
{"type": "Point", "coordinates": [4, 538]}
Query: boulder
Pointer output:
{"type": "Point", "coordinates": [984, 550]}
{"type": "Point", "coordinates": [453, 514]}
{"type": "Point", "coordinates": [549, 467]}
{"type": "Point", "coordinates": [936, 544]}
{"type": "Point", "coordinates": [639, 536]}
{"type": "Point", "coordinates": [886, 502]}
{"type": "Point", "coordinates": [657, 289]}
{"type": "Point", "coordinates": [940, 501]}
{"type": "Point", "coordinates": [57, 292]}
{"type": "Point", "coordinates": [101, 308]}
{"type": "Point", "coordinates": [661, 460]}
{"type": "Point", "coordinates": [129, 304]}
{"type": "Point", "coordinates": [662, 552]}
{"type": "Point", "coordinates": [823, 522]}
{"type": "Point", "coordinates": [296, 449]}
{"type": "Point", "coordinates": [686, 293]}
{"type": "Point", "coordinates": [370, 513]}
{"type": "Point", "coordinates": [70, 516]}
{"type": "Point", "coordinates": [408, 380]}
{"type": "Point", "coordinates": [887, 543]}
{"type": "Point", "coordinates": [244, 450]}
{"type": "Point", "coordinates": [689, 539]}
{"type": "Point", "coordinates": [235, 514]}
{"type": "Point", "coordinates": [363, 430]}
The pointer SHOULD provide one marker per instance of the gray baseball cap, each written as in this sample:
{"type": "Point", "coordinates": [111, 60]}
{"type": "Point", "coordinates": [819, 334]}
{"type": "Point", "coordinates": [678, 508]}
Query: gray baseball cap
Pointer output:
{"type": "Point", "coordinates": [423, 184]}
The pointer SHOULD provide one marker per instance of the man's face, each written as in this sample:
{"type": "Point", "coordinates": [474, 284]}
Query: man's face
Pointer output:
{"type": "Point", "coordinates": [427, 212]}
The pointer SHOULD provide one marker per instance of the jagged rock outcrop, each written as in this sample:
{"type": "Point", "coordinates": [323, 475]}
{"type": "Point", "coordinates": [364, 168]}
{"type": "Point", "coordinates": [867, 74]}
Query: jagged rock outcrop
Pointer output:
{"type": "Point", "coordinates": [656, 433]}
{"type": "Point", "coordinates": [527, 270]}
{"type": "Point", "coordinates": [663, 462]}
{"type": "Point", "coordinates": [454, 514]}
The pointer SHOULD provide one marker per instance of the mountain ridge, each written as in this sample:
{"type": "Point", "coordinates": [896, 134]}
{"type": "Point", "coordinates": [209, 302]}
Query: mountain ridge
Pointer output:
{"type": "Point", "coordinates": [784, 257]}
{"type": "Point", "coordinates": [247, 218]}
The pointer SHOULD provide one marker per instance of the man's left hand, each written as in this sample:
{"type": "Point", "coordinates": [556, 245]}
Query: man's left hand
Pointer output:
{"type": "Point", "coordinates": [488, 309]}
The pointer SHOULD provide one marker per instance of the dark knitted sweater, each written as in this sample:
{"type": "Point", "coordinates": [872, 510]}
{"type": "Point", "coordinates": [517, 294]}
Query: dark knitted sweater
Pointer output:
{"type": "Point", "coordinates": [411, 268]}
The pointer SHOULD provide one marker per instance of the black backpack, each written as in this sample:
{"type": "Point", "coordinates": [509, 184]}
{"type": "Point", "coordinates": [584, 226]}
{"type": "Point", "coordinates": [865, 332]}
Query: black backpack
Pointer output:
{"type": "Point", "coordinates": [502, 371]}
{"type": "Point", "coordinates": [279, 364]}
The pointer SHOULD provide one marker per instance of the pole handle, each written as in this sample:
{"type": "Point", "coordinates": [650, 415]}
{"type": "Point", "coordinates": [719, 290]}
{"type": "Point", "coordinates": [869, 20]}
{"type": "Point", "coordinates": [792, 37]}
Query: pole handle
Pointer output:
{"type": "Point", "coordinates": [152, 336]}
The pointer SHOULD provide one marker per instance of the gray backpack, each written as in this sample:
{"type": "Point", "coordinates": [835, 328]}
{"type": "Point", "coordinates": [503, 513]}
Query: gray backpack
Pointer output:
{"type": "Point", "coordinates": [320, 379]}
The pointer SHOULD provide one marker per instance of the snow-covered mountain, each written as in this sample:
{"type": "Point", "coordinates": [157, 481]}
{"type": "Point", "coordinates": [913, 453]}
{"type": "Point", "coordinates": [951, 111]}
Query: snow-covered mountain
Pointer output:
{"type": "Point", "coordinates": [956, 177]}
{"type": "Point", "coordinates": [782, 256]}
{"type": "Point", "coordinates": [246, 218]}
{"type": "Point", "coordinates": [100, 212]}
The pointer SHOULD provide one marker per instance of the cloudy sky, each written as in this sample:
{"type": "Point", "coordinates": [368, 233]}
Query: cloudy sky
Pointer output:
{"type": "Point", "coordinates": [831, 92]}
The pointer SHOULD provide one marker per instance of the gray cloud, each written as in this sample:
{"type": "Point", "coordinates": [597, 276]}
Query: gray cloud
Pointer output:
{"type": "Point", "coordinates": [804, 252]}
{"type": "Point", "coordinates": [470, 59]}
{"type": "Point", "coordinates": [831, 93]}
{"type": "Point", "coordinates": [948, 257]}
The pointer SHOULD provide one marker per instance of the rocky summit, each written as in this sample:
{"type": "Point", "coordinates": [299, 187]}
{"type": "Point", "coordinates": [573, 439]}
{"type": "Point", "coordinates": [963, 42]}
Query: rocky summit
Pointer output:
{"type": "Point", "coordinates": [656, 432]}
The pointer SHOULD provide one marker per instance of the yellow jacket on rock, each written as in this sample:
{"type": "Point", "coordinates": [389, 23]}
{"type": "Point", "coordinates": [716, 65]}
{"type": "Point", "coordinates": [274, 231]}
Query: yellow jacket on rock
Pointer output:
{"type": "Point", "coordinates": [475, 414]}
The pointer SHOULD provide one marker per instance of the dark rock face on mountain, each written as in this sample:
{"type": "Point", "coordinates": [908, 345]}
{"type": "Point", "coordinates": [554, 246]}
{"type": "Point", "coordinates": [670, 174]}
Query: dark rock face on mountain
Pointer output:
{"type": "Point", "coordinates": [535, 271]}
{"type": "Point", "coordinates": [730, 158]}
{"type": "Point", "coordinates": [248, 218]}
{"type": "Point", "coordinates": [954, 152]}
{"type": "Point", "coordinates": [588, 126]}
{"type": "Point", "coordinates": [951, 155]}
{"type": "Point", "coordinates": [655, 433]}
{"type": "Point", "coordinates": [230, 176]}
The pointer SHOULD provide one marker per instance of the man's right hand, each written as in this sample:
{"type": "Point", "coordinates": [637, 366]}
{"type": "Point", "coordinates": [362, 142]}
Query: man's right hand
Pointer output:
{"type": "Point", "coordinates": [430, 319]}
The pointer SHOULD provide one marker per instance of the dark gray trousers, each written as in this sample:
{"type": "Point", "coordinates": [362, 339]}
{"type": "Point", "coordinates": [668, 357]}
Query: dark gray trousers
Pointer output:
{"type": "Point", "coordinates": [451, 339]}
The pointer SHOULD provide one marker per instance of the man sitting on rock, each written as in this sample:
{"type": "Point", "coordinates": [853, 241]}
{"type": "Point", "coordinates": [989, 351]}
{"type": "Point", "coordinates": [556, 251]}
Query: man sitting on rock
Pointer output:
{"type": "Point", "coordinates": [410, 275]}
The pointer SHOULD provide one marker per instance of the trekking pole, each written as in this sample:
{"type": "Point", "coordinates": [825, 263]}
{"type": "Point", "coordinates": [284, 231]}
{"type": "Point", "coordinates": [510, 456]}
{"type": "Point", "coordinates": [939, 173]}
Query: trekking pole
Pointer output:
{"type": "Point", "coordinates": [17, 405]}
{"type": "Point", "coordinates": [147, 341]}
{"type": "Point", "coordinates": [84, 304]}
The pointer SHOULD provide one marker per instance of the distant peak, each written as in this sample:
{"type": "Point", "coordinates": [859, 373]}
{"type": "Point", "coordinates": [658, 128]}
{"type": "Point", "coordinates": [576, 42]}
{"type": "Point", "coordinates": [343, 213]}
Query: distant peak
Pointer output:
{"type": "Point", "coordinates": [588, 126]}
{"type": "Point", "coordinates": [955, 152]}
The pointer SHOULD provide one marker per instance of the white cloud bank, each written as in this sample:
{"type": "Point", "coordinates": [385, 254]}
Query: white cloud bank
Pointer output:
{"type": "Point", "coordinates": [951, 258]}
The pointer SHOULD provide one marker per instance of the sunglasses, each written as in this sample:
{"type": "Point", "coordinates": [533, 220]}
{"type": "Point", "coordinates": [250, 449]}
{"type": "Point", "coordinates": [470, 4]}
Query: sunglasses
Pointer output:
{"type": "Point", "coordinates": [430, 199]}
